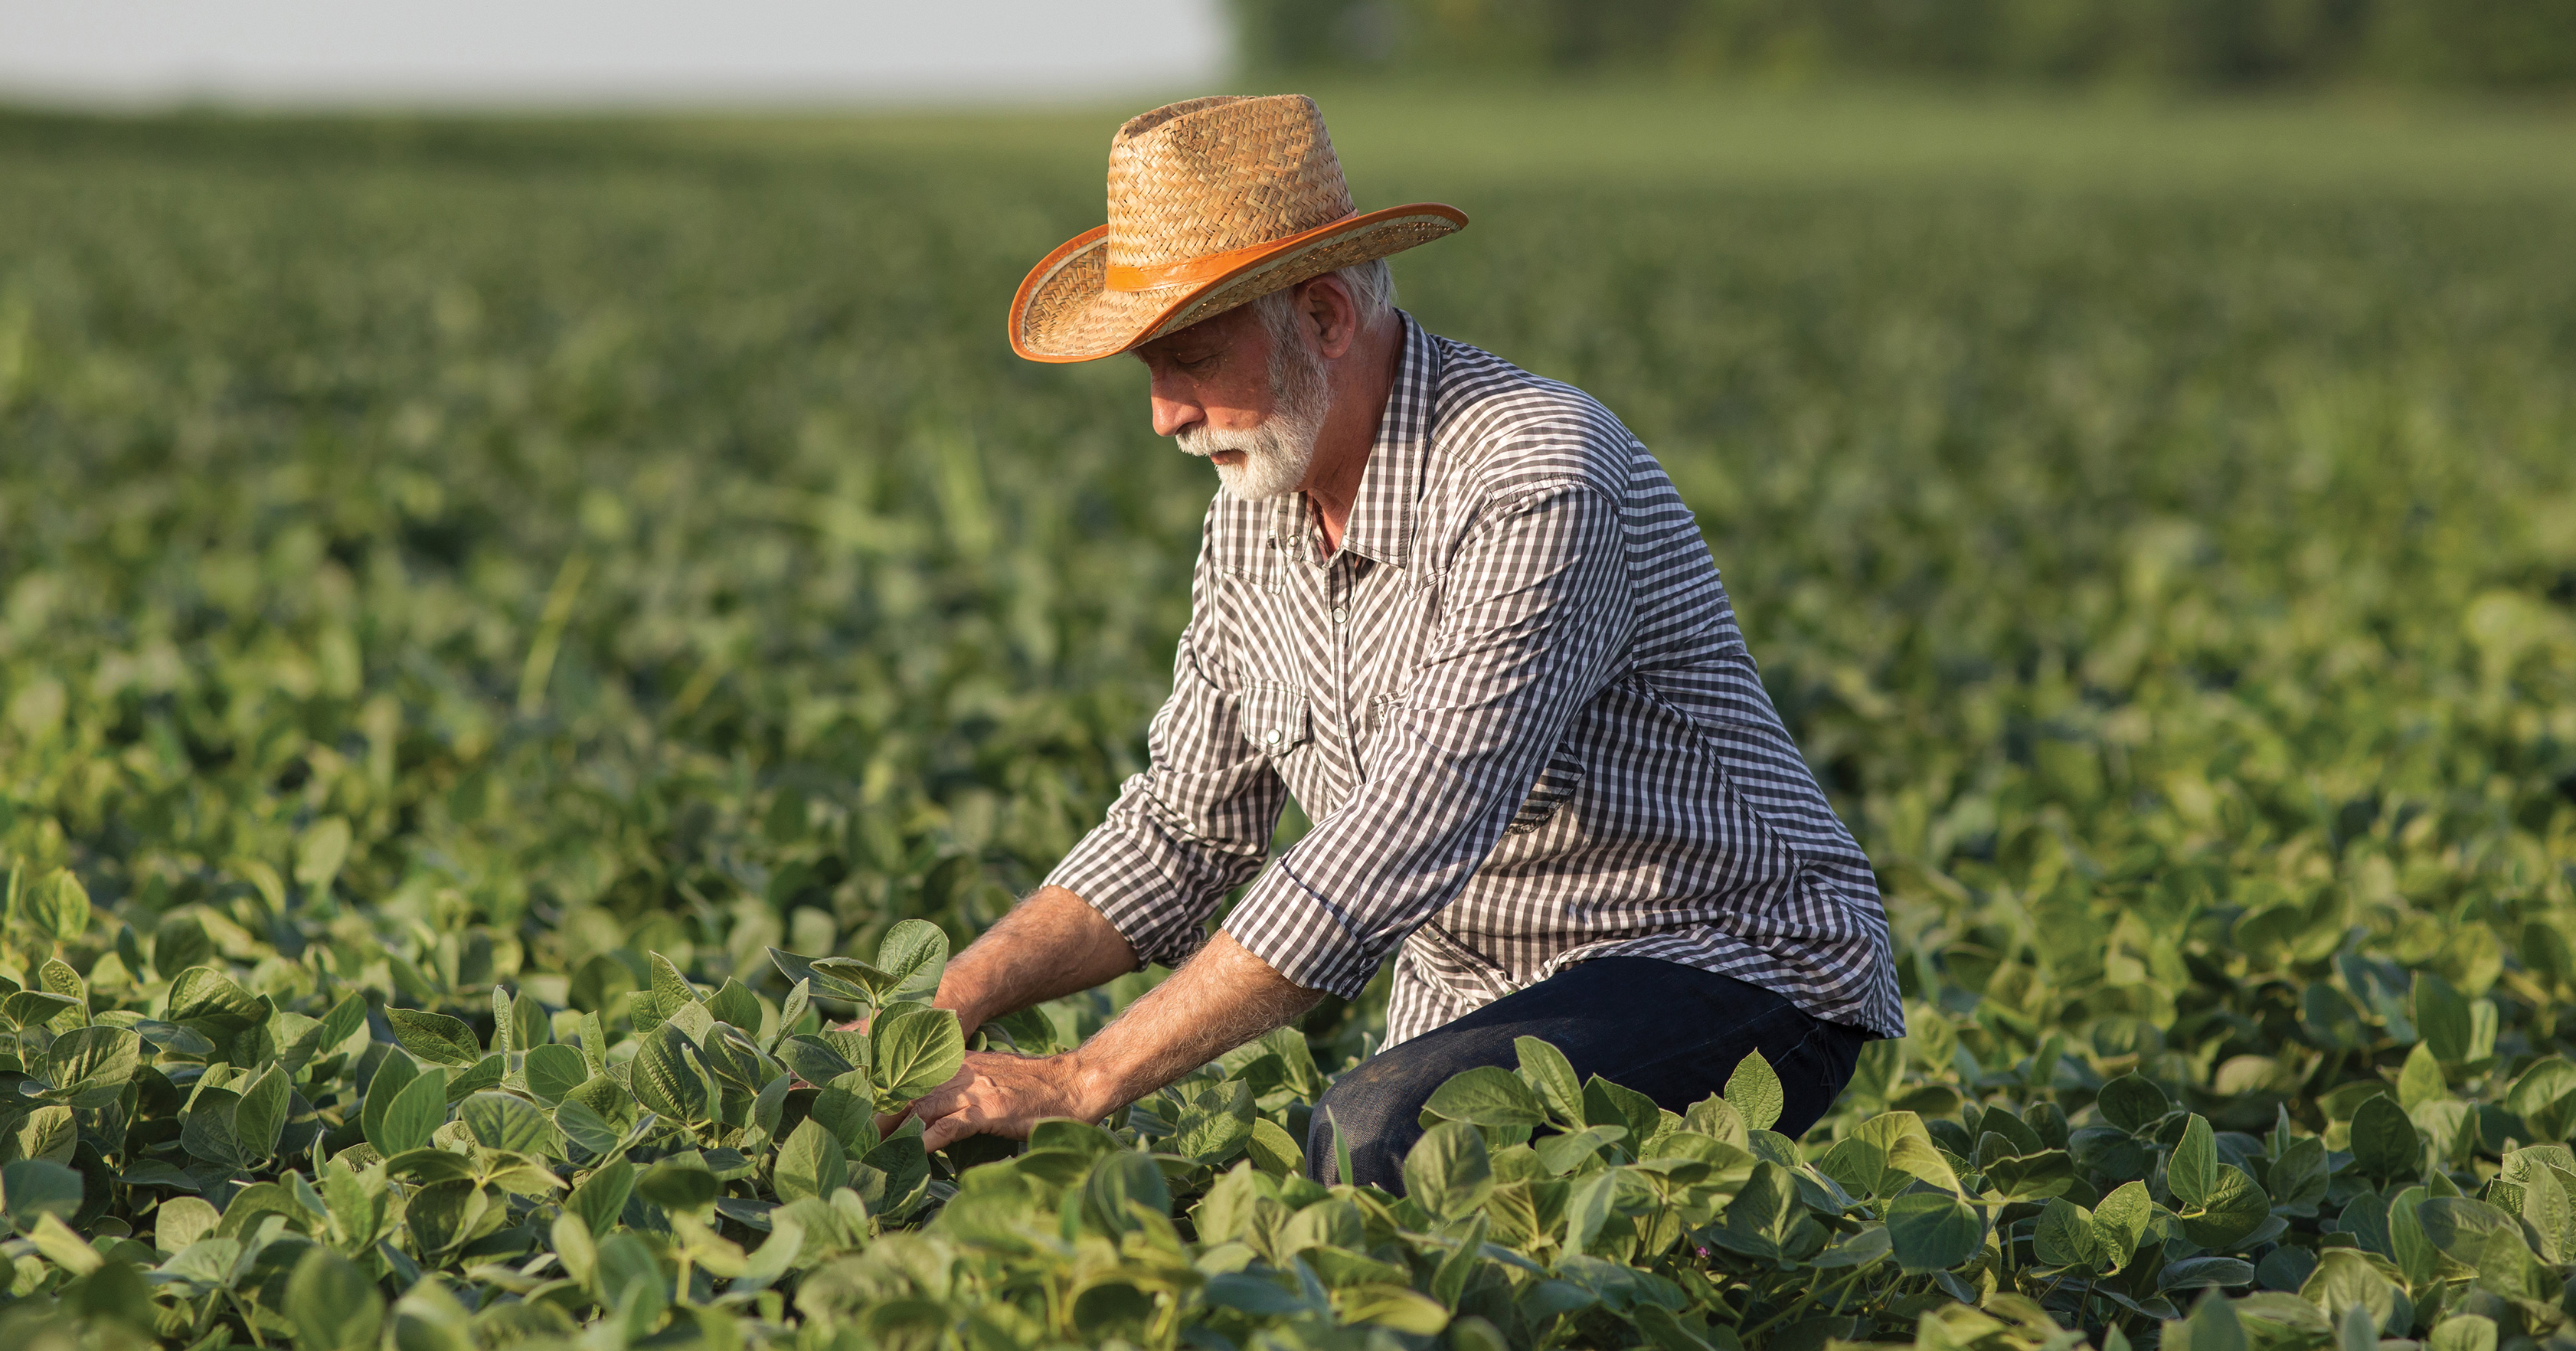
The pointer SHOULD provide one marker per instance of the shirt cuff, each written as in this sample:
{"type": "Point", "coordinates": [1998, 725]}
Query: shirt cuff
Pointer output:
{"type": "Point", "coordinates": [1309, 940]}
{"type": "Point", "coordinates": [1144, 886]}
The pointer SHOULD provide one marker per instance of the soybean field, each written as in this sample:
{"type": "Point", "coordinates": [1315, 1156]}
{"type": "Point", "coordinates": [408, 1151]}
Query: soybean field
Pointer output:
{"type": "Point", "coordinates": [513, 631]}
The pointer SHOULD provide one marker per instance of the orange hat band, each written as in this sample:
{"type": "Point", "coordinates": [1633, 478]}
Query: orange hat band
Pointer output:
{"type": "Point", "coordinates": [1206, 267]}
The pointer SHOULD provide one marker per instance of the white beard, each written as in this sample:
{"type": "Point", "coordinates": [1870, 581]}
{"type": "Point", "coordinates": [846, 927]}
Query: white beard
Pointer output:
{"type": "Point", "coordinates": [1276, 453]}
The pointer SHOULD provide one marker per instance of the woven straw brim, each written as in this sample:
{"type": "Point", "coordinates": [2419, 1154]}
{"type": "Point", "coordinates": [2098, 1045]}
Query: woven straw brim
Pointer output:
{"type": "Point", "coordinates": [1063, 312]}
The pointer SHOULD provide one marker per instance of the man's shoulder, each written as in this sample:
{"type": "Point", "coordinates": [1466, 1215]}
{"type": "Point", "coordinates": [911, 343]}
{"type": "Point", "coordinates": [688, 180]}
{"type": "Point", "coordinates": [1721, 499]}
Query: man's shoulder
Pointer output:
{"type": "Point", "coordinates": [1499, 429]}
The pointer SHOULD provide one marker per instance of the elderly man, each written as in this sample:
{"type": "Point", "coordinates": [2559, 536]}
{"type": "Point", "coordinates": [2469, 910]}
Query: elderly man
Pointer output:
{"type": "Point", "coordinates": [1461, 614]}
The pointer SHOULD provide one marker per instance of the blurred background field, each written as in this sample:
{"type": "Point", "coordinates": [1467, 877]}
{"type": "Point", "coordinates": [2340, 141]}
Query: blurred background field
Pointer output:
{"type": "Point", "coordinates": [637, 532]}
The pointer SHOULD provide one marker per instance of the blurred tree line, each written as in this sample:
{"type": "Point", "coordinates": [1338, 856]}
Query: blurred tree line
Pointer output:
{"type": "Point", "coordinates": [2478, 43]}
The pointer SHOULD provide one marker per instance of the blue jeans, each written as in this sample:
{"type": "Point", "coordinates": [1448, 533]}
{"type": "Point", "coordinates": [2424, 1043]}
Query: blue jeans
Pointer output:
{"type": "Point", "coordinates": [1669, 1031]}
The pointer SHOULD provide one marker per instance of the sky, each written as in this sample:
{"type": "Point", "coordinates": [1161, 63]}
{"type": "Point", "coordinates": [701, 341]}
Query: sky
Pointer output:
{"type": "Point", "coordinates": [597, 53]}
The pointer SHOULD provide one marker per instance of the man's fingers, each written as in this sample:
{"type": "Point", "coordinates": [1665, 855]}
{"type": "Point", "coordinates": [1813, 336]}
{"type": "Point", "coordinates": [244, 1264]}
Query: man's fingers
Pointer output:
{"type": "Point", "coordinates": [944, 1099]}
{"type": "Point", "coordinates": [947, 1131]}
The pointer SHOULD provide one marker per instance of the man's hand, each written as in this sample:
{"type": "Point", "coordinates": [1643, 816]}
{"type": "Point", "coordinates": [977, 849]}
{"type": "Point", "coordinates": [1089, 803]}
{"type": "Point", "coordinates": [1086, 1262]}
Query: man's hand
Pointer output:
{"type": "Point", "coordinates": [1005, 1095]}
{"type": "Point", "coordinates": [1221, 999]}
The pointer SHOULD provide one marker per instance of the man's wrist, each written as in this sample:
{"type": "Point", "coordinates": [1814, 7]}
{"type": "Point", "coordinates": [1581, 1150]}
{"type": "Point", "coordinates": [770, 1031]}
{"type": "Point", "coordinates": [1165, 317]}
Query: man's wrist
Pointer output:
{"type": "Point", "coordinates": [963, 1002]}
{"type": "Point", "coordinates": [1097, 1091]}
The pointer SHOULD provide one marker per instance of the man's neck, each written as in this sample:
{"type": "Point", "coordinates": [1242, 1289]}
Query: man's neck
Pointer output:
{"type": "Point", "coordinates": [1362, 383]}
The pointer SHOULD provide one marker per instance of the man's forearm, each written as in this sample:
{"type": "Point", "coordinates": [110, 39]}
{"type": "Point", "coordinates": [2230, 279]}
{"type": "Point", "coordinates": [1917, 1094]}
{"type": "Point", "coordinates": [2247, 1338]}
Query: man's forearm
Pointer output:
{"type": "Point", "coordinates": [1219, 1000]}
{"type": "Point", "coordinates": [1049, 945]}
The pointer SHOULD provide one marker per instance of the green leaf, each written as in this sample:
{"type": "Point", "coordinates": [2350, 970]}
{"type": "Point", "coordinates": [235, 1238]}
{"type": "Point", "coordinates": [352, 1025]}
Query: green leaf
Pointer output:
{"type": "Point", "coordinates": [671, 989]}
{"type": "Point", "coordinates": [393, 1074]}
{"type": "Point", "coordinates": [916, 1050]}
{"type": "Point", "coordinates": [1567, 1152]}
{"type": "Point", "coordinates": [2192, 1173]}
{"type": "Point", "coordinates": [2509, 1268]}
{"type": "Point", "coordinates": [31, 1189]}
{"type": "Point", "coordinates": [666, 1076]}
{"type": "Point", "coordinates": [59, 905]}
{"type": "Point", "coordinates": [2345, 1278]}
{"type": "Point", "coordinates": [1387, 1305]}
{"type": "Point", "coordinates": [419, 1109]}
{"type": "Point", "coordinates": [1884, 1154]}
{"type": "Point", "coordinates": [57, 977]}
{"type": "Point", "coordinates": [1753, 1090]}
{"type": "Point", "coordinates": [2545, 1096]}
{"type": "Point", "coordinates": [680, 1187]}
{"type": "Point", "coordinates": [2213, 1326]}
{"type": "Point", "coordinates": [814, 1060]}
{"type": "Point", "coordinates": [2232, 1208]}
{"type": "Point", "coordinates": [209, 1000]}
{"type": "Point", "coordinates": [602, 1195]}
{"type": "Point", "coordinates": [847, 1108]}
{"type": "Point", "coordinates": [2201, 1273]}
{"type": "Point", "coordinates": [207, 1130]}
{"type": "Point", "coordinates": [2442, 1018]}
{"type": "Point", "coordinates": [2120, 1222]}
{"type": "Point", "coordinates": [2132, 1102]}
{"type": "Point", "coordinates": [320, 853]}
{"type": "Point", "coordinates": [1487, 1095]}
{"type": "Point", "coordinates": [342, 1022]}
{"type": "Point", "coordinates": [582, 1124]}
{"type": "Point", "coordinates": [332, 1303]}
{"type": "Point", "coordinates": [435, 1037]}
{"type": "Point", "coordinates": [1609, 1104]}
{"type": "Point", "coordinates": [735, 1003]}
{"type": "Point", "coordinates": [506, 1121]}
{"type": "Point", "coordinates": [261, 1117]}
{"type": "Point", "coordinates": [800, 970]}
{"type": "Point", "coordinates": [2063, 1236]}
{"type": "Point", "coordinates": [1274, 1150]}
{"type": "Point", "coordinates": [2384, 1143]}
{"type": "Point", "coordinates": [1214, 1122]}
{"type": "Point", "coordinates": [2463, 1332]}
{"type": "Point", "coordinates": [1717, 1118]}
{"type": "Point", "coordinates": [2545, 1210]}
{"type": "Point", "coordinates": [91, 1066]}
{"type": "Point", "coordinates": [442, 1215]}
{"type": "Point", "coordinates": [33, 1008]}
{"type": "Point", "coordinates": [2421, 1080]}
{"type": "Point", "coordinates": [912, 955]}
{"type": "Point", "coordinates": [1447, 1172]}
{"type": "Point", "coordinates": [2030, 1177]}
{"type": "Point", "coordinates": [630, 1283]}
{"type": "Point", "coordinates": [553, 1071]}
{"type": "Point", "coordinates": [1932, 1232]}
{"type": "Point", "coordinates": [809, 1163]}
{"type": "Point", "coordinates": [1117, 1181]}
{"type": "Point", "coordinates": [179, 942]}
{"type": "Point", "coordinates": [1551, 1078]}
{"type": "Point", "coordinates": [776, 1257]}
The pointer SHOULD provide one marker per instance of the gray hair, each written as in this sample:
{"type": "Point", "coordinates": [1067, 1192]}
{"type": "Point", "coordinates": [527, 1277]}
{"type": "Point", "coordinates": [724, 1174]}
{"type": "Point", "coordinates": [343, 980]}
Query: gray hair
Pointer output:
{"type": "Point", "coordinates": [1372, 288]}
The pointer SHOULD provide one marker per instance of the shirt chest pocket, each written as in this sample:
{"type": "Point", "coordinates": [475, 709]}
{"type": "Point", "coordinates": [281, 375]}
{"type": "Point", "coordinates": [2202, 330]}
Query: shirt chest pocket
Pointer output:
{"type": "Point", "coordinates": [1273, 718]}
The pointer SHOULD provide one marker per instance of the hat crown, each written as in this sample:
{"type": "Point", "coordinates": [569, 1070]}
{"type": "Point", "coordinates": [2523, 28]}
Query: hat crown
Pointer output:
{"type": "Point", "coordinates": [1213, 175]}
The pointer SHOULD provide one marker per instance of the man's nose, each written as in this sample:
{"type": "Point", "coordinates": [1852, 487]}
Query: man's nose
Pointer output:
{"type": "Point", "coordinates": [1171, 414]}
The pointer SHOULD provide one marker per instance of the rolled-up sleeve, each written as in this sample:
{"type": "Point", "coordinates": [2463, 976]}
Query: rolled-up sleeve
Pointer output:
{"type": "Point", "coordinates": [1198, 822]}
{"type": "Point", "coordinates": [1535, 608]}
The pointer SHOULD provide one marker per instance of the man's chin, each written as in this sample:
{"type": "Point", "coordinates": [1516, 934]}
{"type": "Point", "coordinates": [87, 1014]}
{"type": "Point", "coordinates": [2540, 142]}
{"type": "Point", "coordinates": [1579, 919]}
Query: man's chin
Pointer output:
{"type": "Point", "coordinates": [1231, 482]}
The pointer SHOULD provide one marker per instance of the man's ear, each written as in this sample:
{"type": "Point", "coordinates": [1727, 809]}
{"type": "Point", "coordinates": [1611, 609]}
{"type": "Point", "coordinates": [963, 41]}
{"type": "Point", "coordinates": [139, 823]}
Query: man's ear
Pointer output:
{"type": "Point", "coordinates": [1332, 314]}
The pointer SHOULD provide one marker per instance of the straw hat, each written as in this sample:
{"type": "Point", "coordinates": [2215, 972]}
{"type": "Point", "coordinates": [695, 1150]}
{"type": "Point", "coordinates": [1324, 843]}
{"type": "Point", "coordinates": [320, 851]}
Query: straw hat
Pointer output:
{"type": "Point", "coordinates": [1212, 203]}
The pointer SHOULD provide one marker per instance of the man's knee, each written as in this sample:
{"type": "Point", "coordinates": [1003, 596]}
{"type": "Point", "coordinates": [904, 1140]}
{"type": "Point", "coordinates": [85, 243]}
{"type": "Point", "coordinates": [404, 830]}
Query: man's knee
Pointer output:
{"type": "Point", "coordinates": [1376, 1111]}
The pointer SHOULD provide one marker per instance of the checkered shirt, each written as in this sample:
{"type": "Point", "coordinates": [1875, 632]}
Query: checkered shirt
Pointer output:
{"type": "Point", "coordinates": [1517, 708]}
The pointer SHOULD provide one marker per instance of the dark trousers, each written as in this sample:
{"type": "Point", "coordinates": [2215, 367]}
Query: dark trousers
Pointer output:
{"type": "Point", "coordinates": [1671, 1032]}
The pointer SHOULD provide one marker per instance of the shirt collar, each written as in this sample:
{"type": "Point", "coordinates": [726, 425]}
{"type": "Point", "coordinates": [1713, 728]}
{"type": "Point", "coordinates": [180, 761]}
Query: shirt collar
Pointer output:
{"type": "Point", "coordinates": [1381, 524]}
